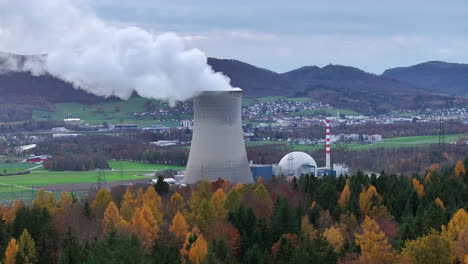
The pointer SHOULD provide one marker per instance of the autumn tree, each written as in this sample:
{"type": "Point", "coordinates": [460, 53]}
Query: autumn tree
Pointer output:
{"type": "Point", "coordinates": [368, 199]}
{"type": "Point", "coordinates": [179, 226]}
{"type": "Point", "coordinates": [128, 205]}
{"type": "Point", "coordinates": [111, 219]}
{"type": "Point", "coordinates": [233, 200]}
{"type": "Point", "coordinates": [459, 170]}
{"type": "Point", "coordinates": [153, 201]}
{"type": "Point", "coordinates": [418, 187]}
{"type": "Point", "coordinates": [27, 249]}
{"type": "Point", "coordinates": [439, 202]}
{"type": "Point", "coordinates": [375, 247]}
{"type": "Point", "coordinates": [261, 192]}
{"type": "Point", "coordinates": [66, 201]}
{"type": "Point", "coordinates": [217, 204]}
{"type": "Point", "coordinates": [345, 195]}
{"type": "Point", "coordinates": [9, 214]}
{"type": "Point", "coordinates": [144, 226]}
{"type": "Point", "coordinates": [335, 237]}
{"type": "Point", "coordinates": [458, 222]}
{"type": "Point", "coordinates": [11, 252]}
{"type": "Point", "coordinates": [102, 200]}
{"type": "Point", "coordinates": [201, 213]}
{"type": "Point", "coordinates": [198, 250]}
{"type": "Point", "coordinates": [460, 247]}
{"type": "Point", "coordinates": [430, 249]}
{"type": "Point", "coordinates": [45, 200]}
{"type": "Point", "coordinates": [307, 229]}
{"type": "Point", "coordinates": [177, 204]}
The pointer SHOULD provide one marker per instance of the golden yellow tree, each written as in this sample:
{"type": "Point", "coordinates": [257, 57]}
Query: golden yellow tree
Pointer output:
{"type": "Point", "coordinates": [368, 199]}
{"type": "Point", "coordinates": [111, 219]}
{"type": "Point", "coordinates": [418, 187]}
{"type": "Point", "coordinates": [431, 248]}
{"type": "Point", "coordinates": [45, 200]}
{"type": "Point", "coordinates": [198, 250]}
{"type": "Point", "coordinates": [345, 195]}
{"type": "Point", "coordinates": [430, 172]}
{"type": "Point", "coordinates": [9, 214]}
{"type": "Point", "coordinates": [144, 226]}
{"type": "Point", "coordinates": [177, 204]}
{"type": "Point", "coordinates": [66, 201]}
{"type": "Point", "coordinates": [102, 200]}
{"type": "Point", "coordinates": [439, 202]}
{"type": "Point", "coordinates": [179, 226]}
{"type": "Point", "coordinates": [335, 237]}
{"type": "Point", "coordinates": [459, 169]}
{"type": "Point", "coordinates": [261, 192]}
{"type": "Point", "coordinates": [460, 247]}
{"type": "Point", "coordinates": [217, 204]}
{"type": "Point", "coordinates": [11, 252]}
{"type": "Point", "coordinates": [153, 201]}
{"type": "Point", "coordinates": [375, 247]}
{"type": "Point", "coordinates": [27, 248]}
{"type": "Point", "coordinates": [128, 205]}
{"type": "Point", "coordinates": [307, 229]}
{"type": "Point", "coordinates": [458, 222]}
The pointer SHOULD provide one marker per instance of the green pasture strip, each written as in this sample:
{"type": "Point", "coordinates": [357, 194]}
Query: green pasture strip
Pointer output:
{"type": "Point", "coordinates": [68, 177]}
{"type": "Point", "coordinates": [15, 167]}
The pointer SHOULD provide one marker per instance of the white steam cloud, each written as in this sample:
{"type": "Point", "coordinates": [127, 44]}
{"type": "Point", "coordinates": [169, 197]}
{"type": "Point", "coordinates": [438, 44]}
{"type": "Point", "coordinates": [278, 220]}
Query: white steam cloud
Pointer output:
{"type": "Point", "coordinates": [100, 57]}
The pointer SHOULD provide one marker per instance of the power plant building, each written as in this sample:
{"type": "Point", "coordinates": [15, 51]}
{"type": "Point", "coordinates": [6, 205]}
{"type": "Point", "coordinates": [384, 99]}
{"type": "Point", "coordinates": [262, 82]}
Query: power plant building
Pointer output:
{"type": "Point", "coordinates": [296, 164]}
{"type": "Point", "coordinates": [218, 149]}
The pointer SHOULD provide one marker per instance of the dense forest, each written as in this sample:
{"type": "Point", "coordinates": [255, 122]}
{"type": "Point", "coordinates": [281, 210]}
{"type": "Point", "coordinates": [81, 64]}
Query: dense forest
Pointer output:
{"type": "Point", "coordinates": [349, 219]}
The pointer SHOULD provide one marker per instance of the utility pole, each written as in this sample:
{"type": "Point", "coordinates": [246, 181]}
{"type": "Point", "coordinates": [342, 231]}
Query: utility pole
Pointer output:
{"type": "Point", "coordinates": [441, 136]}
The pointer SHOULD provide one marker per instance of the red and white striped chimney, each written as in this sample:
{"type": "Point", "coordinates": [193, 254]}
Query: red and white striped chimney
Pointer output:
{"type": "Point", "coordinates": [327, 148]}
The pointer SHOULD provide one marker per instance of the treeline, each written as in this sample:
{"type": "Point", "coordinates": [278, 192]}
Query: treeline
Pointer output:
{"type": "Point", "coordinates": [350, 219]}
{"type": "Point", "coordinates": [76, 163]}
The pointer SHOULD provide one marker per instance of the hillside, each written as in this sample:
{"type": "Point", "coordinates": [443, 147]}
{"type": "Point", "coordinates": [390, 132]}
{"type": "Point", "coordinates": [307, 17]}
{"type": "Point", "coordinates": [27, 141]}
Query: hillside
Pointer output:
{"type": "Point", "coordinates": [437, 76]}
{"type": "Point", "coordinates": [340, 86]}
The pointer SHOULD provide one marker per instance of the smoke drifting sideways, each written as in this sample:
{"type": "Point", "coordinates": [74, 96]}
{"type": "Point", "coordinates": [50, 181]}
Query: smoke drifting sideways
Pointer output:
{"type": "Point", "coordinates": [101, 57]}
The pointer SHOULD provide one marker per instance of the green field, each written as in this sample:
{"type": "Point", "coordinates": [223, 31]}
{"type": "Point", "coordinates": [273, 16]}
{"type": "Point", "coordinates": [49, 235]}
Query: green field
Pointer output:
{"type": "Point", "coordinates": [395, 142]}
{"type": "Point", "coordinates": [15, 167]}
{"type": "Point", "coordinates": [130, 165]}
{"type": "Point", "coordinates": [326, 111]}
{"type": "Point", "coordinates": [111, 112]}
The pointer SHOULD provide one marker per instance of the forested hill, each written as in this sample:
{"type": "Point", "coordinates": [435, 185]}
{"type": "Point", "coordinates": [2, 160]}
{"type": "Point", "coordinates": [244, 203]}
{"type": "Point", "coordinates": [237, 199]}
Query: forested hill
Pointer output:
{"type": "Point", "coordinates": [438, 76]}
{"type": "Point", "coordinates": [340, 86]}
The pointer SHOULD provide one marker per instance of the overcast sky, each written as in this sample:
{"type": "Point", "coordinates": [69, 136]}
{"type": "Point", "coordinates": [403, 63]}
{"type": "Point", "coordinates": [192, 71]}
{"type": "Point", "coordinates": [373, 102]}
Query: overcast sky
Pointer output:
{"type": "Point", "coordinates": [283, 35]}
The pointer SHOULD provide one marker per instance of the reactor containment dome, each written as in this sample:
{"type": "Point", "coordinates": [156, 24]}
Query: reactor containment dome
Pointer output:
{"type": "Point", "coordinates": [296, 164]}
{"type": "Point", "coordinates": [218, 149]}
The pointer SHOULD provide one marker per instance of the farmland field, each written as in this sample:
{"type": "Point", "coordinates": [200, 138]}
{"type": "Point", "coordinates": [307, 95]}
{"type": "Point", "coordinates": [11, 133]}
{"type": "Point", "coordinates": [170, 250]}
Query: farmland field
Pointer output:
{"type": "Point", "coordinates": [15, 167]}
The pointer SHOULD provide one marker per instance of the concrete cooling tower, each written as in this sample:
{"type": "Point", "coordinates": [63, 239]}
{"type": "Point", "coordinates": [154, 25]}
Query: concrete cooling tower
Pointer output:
{"type": "Point", "coordinates": [218, 149]}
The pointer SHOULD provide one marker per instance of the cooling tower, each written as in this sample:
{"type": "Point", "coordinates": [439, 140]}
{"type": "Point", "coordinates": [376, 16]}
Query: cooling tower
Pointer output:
{"type": "Point", "coordinates": [218, 149]}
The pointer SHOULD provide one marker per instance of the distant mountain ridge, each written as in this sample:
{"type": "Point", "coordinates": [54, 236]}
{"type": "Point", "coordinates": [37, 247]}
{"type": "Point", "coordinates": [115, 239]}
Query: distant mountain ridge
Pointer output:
{"type": "Point", "coordinates": [437, 76]}
{"type": "Point", "coordinates": [340, 86]}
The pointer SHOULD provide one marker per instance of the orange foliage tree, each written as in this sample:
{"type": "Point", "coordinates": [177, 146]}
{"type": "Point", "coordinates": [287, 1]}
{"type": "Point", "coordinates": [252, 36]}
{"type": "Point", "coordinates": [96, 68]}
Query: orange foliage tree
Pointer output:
{"type": "Point", "coordinates": [439, 202]}
{"type": "Point", "coordinates": [128, 205]}
{"type": "Point", "coordinates": [375, 247]}
{"type": "Point", "coordinates": [345, 195]}
{"type": "Point", "coordinates": [111, 219]}
{"type": "Point", "coordinates": [459, 169]}
{"type": "Point", "coordinates": [335, 237]}
{"type": "Point", "coordinates": [368, 199]}
{"type": "Point", "coordinates": [418, 187]}
{"type": "Point", "coordinates": [11, 252]}
{"type": "Point", "coordinates": [102, 200]}
{"type": "Point", "coordinates": [144, 226]}
{"type": "Point", "coordinates": [198, 250]}
{"type": "Point", "coordinates": [45, 200]}
{"type": "Point", "coordinates": [179, 226]}
{"type": "Point", "coordinates": [217, 204]}
{"type": "Point", "coordinates": [177, 204]}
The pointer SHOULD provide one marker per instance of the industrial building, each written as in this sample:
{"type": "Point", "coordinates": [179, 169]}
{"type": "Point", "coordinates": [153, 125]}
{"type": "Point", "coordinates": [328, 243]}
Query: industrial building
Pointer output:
{"type": "Point", "coordinates": [296, 164]}
{"type": "Point", "coordinates": [218, 149]}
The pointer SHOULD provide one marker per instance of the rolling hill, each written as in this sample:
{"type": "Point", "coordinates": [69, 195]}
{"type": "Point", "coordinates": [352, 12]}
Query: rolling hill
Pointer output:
{"type": "Point", "coordinates": [437, 76]}
{"type": "Point", "coordinates": [340, 86]}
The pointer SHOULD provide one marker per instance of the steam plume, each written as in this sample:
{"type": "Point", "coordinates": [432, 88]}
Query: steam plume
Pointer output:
{"type": "Point", "coordinates": [100, 57]}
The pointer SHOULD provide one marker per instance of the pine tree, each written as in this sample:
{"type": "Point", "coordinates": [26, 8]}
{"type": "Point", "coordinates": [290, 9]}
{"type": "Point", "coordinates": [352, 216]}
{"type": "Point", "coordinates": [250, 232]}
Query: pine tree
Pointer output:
{"type": "Point", "coordinates": [375, 247]}
{"type": "Point", "coordinates": [27, 249]}
{"type": "Point", "coordinates": [233, 200]}
{"type": "Point", "coordinates": [111, 219]}
{"type": "Point", "coordinates": [71, 252]}
{"type": "Point", "coordinates": [179, 226]}
{"type": "Point", "coordinates": [201, 210]}
{"type": "Point", "coordinates": [11, 252]}
{"type": "Point", "coordinates": [261, 192]}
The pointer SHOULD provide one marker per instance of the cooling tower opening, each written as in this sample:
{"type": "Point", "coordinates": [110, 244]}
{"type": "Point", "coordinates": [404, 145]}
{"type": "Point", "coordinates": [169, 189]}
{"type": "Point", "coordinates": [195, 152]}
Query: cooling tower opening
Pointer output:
{"type": "Point", "coordinates": [218, 149]}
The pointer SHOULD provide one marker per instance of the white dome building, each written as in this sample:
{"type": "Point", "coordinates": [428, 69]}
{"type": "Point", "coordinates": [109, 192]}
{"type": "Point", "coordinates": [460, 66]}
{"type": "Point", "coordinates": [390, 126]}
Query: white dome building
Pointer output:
{"type": "Point", "coordinates": [296, 164]}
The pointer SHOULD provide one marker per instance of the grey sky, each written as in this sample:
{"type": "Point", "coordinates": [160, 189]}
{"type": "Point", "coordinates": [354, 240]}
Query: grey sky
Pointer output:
{"type": "Point", "coordinates": [283, 35]}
